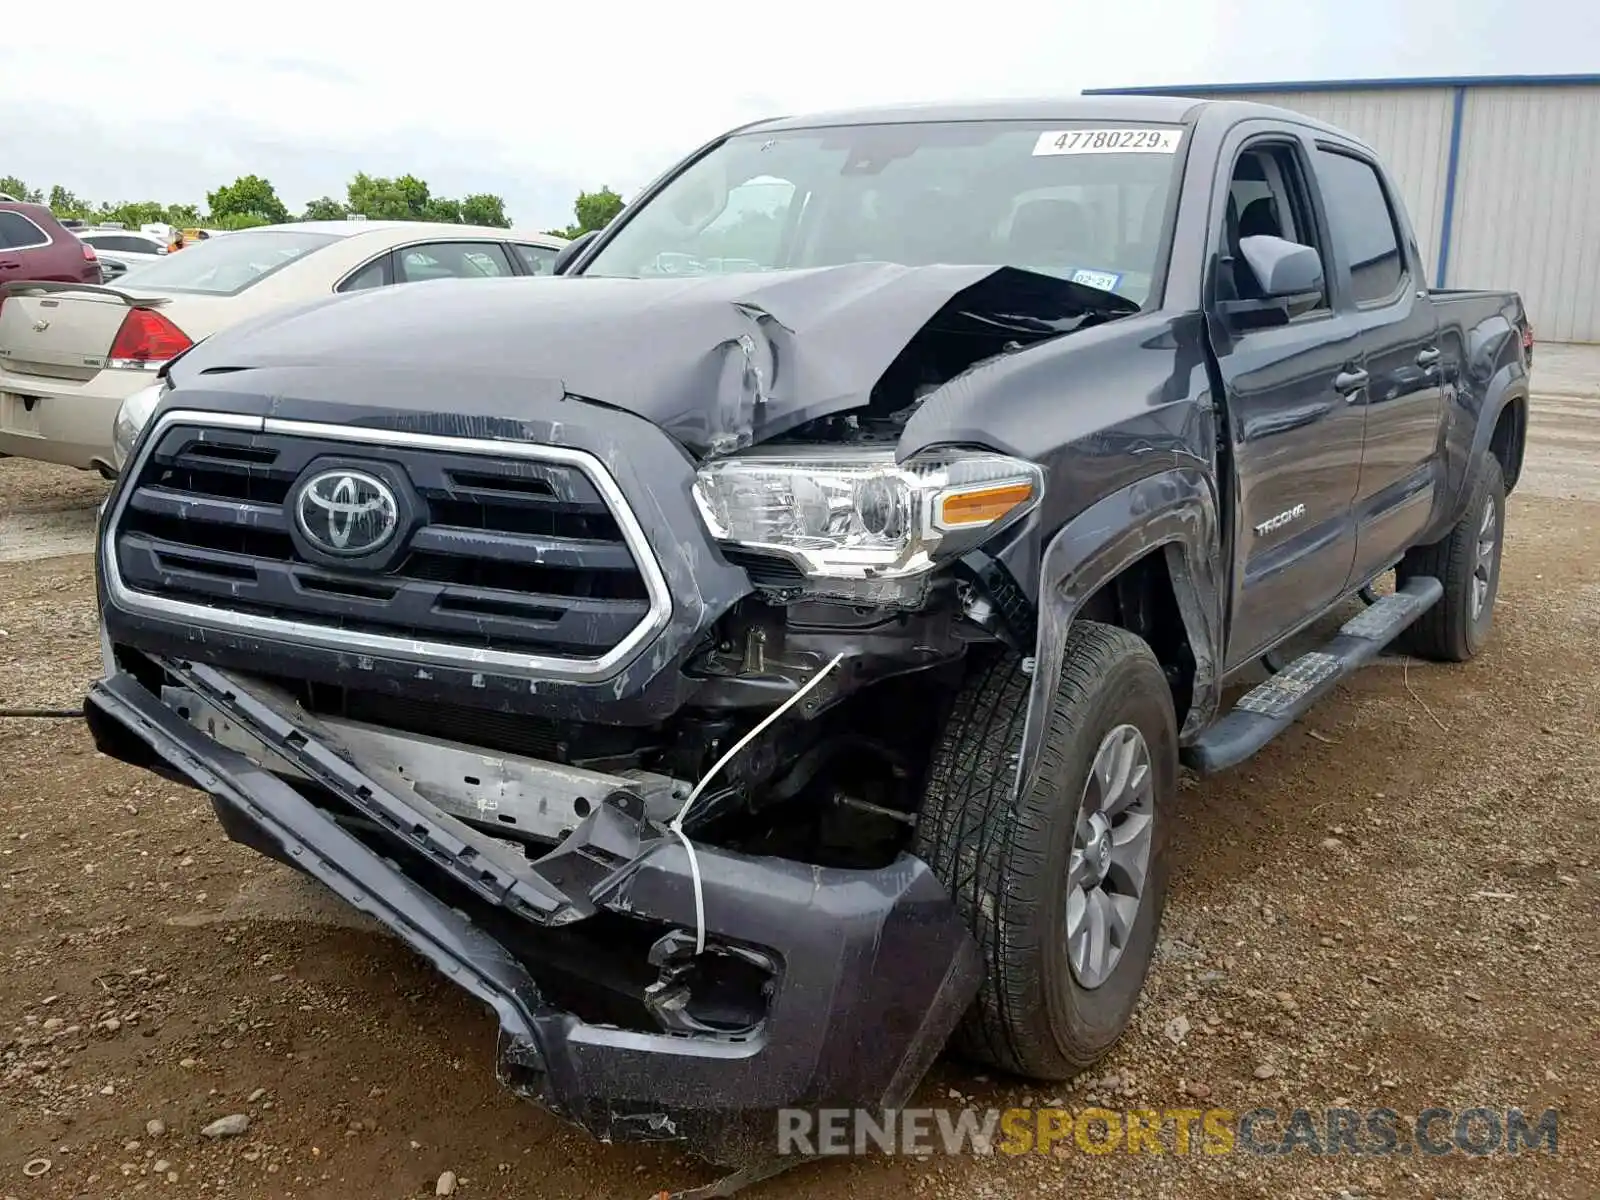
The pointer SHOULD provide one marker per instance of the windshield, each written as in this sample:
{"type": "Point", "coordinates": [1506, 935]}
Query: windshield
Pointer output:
{"type": "Point", "coordinates": [226, 266]}
{"type": "Point", "coordinates": [1077, 200]}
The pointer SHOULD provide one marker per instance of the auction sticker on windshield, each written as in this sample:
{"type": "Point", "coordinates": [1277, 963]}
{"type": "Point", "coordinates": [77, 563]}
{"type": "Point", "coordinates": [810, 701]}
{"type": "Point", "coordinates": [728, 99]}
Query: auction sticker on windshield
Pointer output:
{"type": "Point", "coordinates": [1106, 281]}
{"type": "Point", "coordinates": [1108, 141]}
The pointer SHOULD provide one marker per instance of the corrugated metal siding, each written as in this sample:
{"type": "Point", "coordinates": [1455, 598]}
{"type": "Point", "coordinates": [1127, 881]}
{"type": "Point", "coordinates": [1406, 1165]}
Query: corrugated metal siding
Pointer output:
{"type": "Point", "coordinates": [1527, 216]}
{"type": "Point", "coordinates": [1409, 129]}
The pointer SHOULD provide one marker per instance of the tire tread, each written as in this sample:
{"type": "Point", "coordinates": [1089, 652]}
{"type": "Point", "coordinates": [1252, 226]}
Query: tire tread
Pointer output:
{"type": "Point", "coordinates": [988, 849]}
{"type": "Point", "coordinates": [1442, 633]}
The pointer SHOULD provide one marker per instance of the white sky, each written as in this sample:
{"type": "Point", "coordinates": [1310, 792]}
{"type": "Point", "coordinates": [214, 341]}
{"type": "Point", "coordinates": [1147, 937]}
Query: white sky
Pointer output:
{"type": "Point", "coordinates": [513, 98]}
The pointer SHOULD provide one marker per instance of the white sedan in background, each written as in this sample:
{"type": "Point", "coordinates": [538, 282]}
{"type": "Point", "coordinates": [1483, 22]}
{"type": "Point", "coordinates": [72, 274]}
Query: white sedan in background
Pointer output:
{"type": "Point", "coordinates": [135, 249]}
{"type": "Point", "coordinates": [70, 354]}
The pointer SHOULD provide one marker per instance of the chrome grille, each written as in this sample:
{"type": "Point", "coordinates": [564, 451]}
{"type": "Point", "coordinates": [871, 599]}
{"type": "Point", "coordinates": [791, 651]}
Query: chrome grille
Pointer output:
{"type": "Point", "coordinates": [520, 556]}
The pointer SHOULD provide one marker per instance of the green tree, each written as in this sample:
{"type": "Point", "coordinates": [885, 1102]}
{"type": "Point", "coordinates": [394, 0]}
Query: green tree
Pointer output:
{"type": "Point", "coordinates": [12, 186]}
{"type": "Point", "coordinates": [132, 214]}
{"type": "Point", "coordinates": [64, 204]}
{"type": "Point", "coordinates": [247, 196]}
{"type": "Point", "coordinates": [240, 221]}
{"type": "Point", "coordinates": [325, 208]}
{"type": "Point", "coordinates": [442, 209]}
{"type": "Point", "coordinates": [483, 208]}
{"type": "Point", "coordinates": [378, 199]}
{"type": "Point", "coordinates": [407, 198]}
{"type": "Point", "coordinates": [594, 210]}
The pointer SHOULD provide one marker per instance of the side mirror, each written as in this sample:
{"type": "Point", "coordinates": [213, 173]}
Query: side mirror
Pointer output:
{"type": "Point", "coordinates": [1285, 270]}
{"type": "Point", "coordinates": [571, 251]}
{"type": "Point", "coordinates": [1288, 278]}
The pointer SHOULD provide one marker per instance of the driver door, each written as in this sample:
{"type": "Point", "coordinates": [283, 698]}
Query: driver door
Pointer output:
{"type": "Point", "coordinates": [1296, 437]}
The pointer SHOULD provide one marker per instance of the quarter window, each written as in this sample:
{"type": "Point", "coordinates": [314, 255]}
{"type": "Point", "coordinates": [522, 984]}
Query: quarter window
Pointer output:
{"type": "Point", "coordinates": [374, 274]}
{"type": "Point", "coordinates": [1364, 223]}
{"type": "Point", "coordinates": [537, 259]}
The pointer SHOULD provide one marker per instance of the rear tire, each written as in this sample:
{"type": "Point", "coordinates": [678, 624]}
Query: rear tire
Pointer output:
{"type": "Point", "coordinates": [1048, 1007]}
{"type": "Point", "coordinates": [1467, 562]}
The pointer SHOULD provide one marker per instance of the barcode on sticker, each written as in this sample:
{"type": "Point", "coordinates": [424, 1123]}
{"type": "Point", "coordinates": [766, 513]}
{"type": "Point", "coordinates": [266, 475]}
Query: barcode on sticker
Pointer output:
{"type": "Point", "coordinates": [1108, 141]}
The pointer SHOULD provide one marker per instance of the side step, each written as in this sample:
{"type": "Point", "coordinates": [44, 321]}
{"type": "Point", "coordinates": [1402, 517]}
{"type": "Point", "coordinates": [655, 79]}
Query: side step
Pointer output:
{"type": "Point", "coordinates": [1269, 708]}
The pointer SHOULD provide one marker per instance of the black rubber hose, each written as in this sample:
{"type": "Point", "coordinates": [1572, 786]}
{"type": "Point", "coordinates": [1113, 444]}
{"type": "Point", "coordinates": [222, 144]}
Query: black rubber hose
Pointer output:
{"type": "Point", "coordinates": [48, 714]}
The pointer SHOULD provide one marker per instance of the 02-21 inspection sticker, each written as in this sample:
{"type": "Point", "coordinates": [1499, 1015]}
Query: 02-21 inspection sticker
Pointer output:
{"type": "Point", "coordinates": [1108, 141]}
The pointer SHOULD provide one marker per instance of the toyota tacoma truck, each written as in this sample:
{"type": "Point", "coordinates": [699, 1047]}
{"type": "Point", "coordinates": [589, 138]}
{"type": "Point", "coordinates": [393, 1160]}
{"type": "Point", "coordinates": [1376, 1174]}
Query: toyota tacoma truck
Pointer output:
{"type": "Point", "coordinates": [766, 650]}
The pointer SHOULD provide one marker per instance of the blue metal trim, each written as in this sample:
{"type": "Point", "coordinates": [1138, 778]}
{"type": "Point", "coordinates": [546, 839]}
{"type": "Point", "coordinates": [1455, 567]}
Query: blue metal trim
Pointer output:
{"type": "Point", "coordinates": [1352, 85]}
{"type": "Point", "coordinates": [1447, 218]}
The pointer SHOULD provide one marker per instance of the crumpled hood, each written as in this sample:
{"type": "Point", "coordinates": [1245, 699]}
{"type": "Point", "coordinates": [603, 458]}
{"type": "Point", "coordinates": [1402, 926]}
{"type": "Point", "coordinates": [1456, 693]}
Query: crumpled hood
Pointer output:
{"type": "Point", "coordinates": [718, 361]}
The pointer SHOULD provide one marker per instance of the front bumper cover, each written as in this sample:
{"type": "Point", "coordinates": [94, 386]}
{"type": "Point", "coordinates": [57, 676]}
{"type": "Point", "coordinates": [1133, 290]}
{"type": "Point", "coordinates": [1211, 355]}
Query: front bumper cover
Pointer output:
{"type": "Point", "coordinates": [874, 968]}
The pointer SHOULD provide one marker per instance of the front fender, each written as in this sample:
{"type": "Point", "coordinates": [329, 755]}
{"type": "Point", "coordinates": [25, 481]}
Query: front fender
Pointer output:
{"type": "Point", "coordinates": [1174, 511]}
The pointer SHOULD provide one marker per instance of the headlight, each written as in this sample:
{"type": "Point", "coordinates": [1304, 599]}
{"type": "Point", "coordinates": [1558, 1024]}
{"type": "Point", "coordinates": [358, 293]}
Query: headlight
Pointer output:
{"type": "Point", "coordinates": [860, 526]}
{"type": "Point", "coordinates": [131, 419]}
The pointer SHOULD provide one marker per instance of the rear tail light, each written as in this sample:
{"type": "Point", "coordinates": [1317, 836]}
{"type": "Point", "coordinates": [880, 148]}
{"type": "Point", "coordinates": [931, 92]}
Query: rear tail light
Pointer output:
{"type": "Point", "coordinates": [146, 340]}
{"type": "Point", "coordinates": [88, 253]}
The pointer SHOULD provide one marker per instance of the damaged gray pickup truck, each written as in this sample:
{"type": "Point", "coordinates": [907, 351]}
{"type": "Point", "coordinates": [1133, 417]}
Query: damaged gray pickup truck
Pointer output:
{"type": "Point", "coordinates": [768, 648]}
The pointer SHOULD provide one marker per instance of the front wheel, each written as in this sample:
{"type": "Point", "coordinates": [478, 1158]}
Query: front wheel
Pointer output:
{"type": "Point", "coordinates": [1064, 888]}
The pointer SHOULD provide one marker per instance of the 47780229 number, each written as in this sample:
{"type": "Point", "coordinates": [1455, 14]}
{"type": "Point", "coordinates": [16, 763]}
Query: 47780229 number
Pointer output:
{"type": "Point", "coordinates": [1108, 141]}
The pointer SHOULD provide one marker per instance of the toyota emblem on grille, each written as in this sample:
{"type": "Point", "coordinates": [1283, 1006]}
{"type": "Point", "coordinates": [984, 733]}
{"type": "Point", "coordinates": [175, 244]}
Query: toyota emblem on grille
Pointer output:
{"type": "Point", "coordinates": [347, 512]}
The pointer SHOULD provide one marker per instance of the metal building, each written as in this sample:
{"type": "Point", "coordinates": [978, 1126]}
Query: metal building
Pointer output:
{"type": "Point", "coordinates": [1501, 175]}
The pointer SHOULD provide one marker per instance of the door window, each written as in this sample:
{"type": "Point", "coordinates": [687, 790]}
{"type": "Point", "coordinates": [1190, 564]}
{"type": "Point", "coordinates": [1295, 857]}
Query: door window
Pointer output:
{"type": "Point", "coordinates": [1267, 196]}
{"type": "Point", "coordinates": [453, 260]}
{"type": "Point", "coordinates": [128, 245]}
{"type": "Point", "coordinates": [1363, 220]}
{"type": "Point", "coordinates": [19, 233]}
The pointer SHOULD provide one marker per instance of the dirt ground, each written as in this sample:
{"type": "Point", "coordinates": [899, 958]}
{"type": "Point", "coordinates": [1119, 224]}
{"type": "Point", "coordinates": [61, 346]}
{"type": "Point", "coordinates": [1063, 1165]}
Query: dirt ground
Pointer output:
{"type": "Point", "coordinates": [1394, 905]}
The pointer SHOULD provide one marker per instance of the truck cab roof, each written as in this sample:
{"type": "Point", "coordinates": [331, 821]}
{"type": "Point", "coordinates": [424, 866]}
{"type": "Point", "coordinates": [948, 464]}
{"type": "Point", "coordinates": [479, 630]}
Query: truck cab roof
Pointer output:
{"type": "Point", "coordinates": [1165, 109]}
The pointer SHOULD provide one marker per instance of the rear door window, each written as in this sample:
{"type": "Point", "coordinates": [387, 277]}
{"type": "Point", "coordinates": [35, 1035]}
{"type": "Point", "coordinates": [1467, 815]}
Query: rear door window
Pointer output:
{"type": "Point", "coordinates": [19, 233]}
{"type": "Point", "coordinates": [452, 260]}
{"type": "Point", "coordinates": [1363, 220]}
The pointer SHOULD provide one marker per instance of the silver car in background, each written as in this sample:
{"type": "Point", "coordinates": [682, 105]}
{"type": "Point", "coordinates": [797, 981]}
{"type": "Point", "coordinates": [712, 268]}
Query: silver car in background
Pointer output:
{"type": "Point", "coordinates": [70, 354]}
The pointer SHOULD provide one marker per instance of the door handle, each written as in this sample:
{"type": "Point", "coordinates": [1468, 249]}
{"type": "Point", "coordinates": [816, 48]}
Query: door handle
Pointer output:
{"type": "Point", "coordinates": [1350, 381]}
{"type": "Point", "coordinates": [1427, 357]}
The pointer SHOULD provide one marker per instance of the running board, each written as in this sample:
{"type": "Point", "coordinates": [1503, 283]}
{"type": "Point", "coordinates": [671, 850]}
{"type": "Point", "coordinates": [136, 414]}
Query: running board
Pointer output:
{"type": "Point", "coordinates": [1269, 708]}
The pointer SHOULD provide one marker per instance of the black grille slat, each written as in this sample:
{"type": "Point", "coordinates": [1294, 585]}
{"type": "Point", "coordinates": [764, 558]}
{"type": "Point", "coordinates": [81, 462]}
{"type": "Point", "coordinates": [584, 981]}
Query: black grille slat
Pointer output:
{"type": "Point", "coordinates": [531, 549]}
{"type": "Point", "coordinates": [508, 554]}
{"type": "Point", "coordinates": [539, 519]}
{"type": "Point", "coordinates": [162, 501]}
{"type": "Point", "coordinates": [495, 575]}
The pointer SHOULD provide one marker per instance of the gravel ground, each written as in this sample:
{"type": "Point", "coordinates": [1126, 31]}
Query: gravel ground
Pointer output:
{"type": "Point", "coordinates": [1392, 905]}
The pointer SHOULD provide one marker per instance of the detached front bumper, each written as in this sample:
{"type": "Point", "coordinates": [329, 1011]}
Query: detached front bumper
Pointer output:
{"type": "Point", "coordinates": [867, 971]}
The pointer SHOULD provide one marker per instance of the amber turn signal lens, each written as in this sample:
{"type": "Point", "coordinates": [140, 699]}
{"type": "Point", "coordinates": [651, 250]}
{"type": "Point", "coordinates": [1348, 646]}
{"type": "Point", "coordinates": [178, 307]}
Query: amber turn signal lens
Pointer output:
{"type": "Point", "coordinates": [984, 505]}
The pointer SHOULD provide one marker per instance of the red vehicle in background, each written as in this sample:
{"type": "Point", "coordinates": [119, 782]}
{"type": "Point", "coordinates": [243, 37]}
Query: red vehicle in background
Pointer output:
{"type": "Point", "coordinates": [34, 246]}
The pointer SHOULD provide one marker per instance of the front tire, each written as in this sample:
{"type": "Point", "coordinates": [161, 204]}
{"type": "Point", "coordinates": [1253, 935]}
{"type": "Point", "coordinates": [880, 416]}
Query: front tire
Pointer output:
{"type": "Point", "coordinates": [1467, 562]}
{"type": "Point", "coordinates": [1064, 888]}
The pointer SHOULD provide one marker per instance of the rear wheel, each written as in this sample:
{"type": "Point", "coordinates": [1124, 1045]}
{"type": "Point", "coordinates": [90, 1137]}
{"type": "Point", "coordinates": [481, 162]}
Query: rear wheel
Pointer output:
{"type": "Point", "coordinates": [1467, 562]}
{"type": "Point", "coordinates": [1064, 888]}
